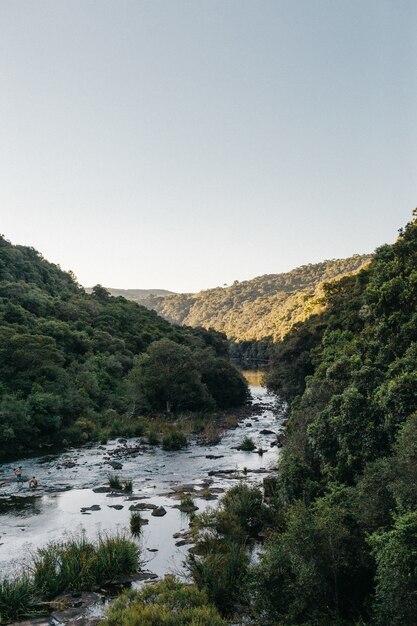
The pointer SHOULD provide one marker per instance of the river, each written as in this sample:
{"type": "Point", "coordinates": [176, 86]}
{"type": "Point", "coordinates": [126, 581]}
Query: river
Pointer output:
{"type": "Point", "coordinates": [67, 481]}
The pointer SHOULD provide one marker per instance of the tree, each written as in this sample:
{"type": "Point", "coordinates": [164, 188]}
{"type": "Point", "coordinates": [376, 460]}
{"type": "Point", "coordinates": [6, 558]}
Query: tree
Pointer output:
{"type": "Point", "coordinates": [167, 377]}
{"type": "Point", "coordinates": [395, 554]}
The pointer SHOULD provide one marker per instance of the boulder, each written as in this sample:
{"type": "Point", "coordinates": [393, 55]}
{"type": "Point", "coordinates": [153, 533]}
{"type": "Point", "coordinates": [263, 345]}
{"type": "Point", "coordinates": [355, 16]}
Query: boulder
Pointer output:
{"type": "Point", "coordinates": [159, 511]}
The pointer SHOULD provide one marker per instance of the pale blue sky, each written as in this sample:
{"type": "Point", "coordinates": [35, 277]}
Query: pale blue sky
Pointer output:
{"type": "Point", "coordinates": [183, 144]}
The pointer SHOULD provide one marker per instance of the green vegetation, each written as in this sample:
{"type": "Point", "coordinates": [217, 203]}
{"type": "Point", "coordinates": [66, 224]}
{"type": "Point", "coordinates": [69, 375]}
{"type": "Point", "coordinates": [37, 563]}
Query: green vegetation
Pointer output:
{"type": "Point", "coordinates": [136, 523]}
{"type": "Point", "coordinates": [187, 504]}
{"type": "Point", "coordinates": [153, 438]}
{"type": "Point", "coordinates": [247, 445]}
{"type": "Point", "coordinates": [118, 484]}
{"type": "Point", "coordinates": [250, 311]}
{"type": "Point", "coordinates": [18, 599]}
{"type": "Point", "coordinates": [167, 603]}
{"type": "Point", "coordinates": [127, 485]}
{"type": "Point", "coordinates": [345, 544]}
{"type": "Point", "coordinates": [220, 560]}
{"type": "Point", "coordinates": [73, 565]}
{"type": "Point", "coordinates": [170, 377]}
{"type": "Point", "coordinates": [174, 440]}
{"type": "Point", "coordinates": [66, 360]}
{"type": "Point", "coordinates": [80, 565]}
{"type": "Point", "coordinates": [115, 482]}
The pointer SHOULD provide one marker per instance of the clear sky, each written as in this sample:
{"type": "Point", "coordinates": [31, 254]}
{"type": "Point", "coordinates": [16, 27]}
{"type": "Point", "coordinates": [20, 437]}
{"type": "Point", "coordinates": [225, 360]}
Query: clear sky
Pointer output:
{"type": "Point", "coordinates": [183, 144]}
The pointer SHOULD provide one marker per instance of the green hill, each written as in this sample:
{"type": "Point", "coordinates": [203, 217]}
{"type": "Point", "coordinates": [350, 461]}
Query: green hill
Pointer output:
{"type": "Point", "coordinates": [345, 542]}
{"type": "Point", "coordinates": [66, 358]}
{"type": "Point", "coordinates": [266, 306]}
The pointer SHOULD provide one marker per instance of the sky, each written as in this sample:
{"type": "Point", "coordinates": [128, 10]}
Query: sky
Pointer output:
{"type": "Point", "coordinates": [185, 144]}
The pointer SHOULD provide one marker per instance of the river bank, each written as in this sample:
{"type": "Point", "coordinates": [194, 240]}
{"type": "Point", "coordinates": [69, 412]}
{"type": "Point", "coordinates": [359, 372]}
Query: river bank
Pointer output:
{"type": "Point", "coordinates": [73, 494]}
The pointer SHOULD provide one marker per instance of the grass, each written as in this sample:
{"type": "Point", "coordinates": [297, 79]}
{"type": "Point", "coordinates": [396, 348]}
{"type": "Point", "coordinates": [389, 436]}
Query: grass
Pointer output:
{"type": "Point", "coordinates": [114, 482]}
{"type": "Point", "coordinates": [118, 484]}
{"type": "Point", "coordinates": [74, 565]}
{"type": "Point", "coordinates": [187, 504]}
{"type": "Point", "coordinates": [81, 565]}
{"type": "Point", "coordinates": [174, 440]}
{"type": "Point", "coordinates": [247, 445]}
{"type": "Point", "coordinates": [127, 486]}
{"type": "Point", "coordinates": [18, 599]}
{"type": "Point", "coordinates": [136, 523]}
{"type": "Point", "coordinates": [167, 603]}
{"type": "Point", "coordinates": [153, 438]}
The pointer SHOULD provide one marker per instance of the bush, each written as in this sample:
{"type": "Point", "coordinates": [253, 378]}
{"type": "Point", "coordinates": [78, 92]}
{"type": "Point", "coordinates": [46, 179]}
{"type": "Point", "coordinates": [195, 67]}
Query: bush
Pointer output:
{"type": "Point", "coordinates": [127, 485]}
{"type": "Point", "coordinates": [136, 523]}
{"type": "Point", "coordinates": [245, 503]}
{"type": "Point", "coordinates": [220, 572]}
{"type": "Point", "coordinates": [18, 599]}
{"type": "Point", "coordinates": [187, 504]}
{"type": "Point", "coordinates": [174, 440]}
{"type": "Point", "coordinates": [79, 565]}
{"type": "Point", "coordinates": [153, 438]}
{"type": "Point", "coordinates": [247, 445]}
{"type": "Point", "coordinates": [167, 603]}
{"type": "Point", "coordinates": [114, 482]}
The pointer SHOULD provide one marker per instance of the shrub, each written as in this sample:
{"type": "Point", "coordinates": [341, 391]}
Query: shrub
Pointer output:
{"type": "Point", "coordinates": [187, 504]}
{"type": "Point", "coordinates": [114, 482]}
{"type": "Point", "coordinates": [128, 485]}
{"type": "Point", "coordinates": [136, 523]}
{"type": "Point", "coordinates": [153, 438]}
{"type": "Point", "coordinates": [221, 573]}
{"type": "Point", "coordinates": [174, 440]}
{"type": "Point", "coordinates": [167, 603]}
{"type": "Point", "coordinates": [80, 565]}
{"type": "Point", "coordinates": [18, 599]}
{"type": "Point", "coordinates": [247, 445]}
{"type": "Point", "coordinates": [245, 503]}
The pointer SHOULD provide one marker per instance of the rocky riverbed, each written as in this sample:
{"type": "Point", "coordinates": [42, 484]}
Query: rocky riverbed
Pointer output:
{"type": "Point", "coordinates": [73, 494]}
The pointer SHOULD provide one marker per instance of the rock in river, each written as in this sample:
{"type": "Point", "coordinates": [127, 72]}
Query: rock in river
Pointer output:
{"type": "Point", "coordinates": [159, 511]}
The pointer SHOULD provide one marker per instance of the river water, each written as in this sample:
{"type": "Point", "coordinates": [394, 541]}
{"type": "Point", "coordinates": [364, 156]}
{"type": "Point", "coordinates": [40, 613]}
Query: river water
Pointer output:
{"type": "Point", "coordinates": [28, 521]}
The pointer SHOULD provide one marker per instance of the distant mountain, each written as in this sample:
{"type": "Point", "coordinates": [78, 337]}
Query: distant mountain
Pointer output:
{"type": "Point", "coordinates": [266, 306]}
{"type": "Point", "coordinates": [137, 295]}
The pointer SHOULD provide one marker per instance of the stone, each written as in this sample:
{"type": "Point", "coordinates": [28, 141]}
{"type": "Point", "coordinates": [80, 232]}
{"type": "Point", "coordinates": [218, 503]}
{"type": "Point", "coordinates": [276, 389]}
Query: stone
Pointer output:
{"type": "Point", "coordinates": [115, 465]}
{"type": "Point", "coordinates": [266, 431]}
{"type": "Point", "coordinates": [118, 507]}
{"type": "Point", "coordinates": [159, 511]}
{"type": "Point", "coordinates": [94, 507]}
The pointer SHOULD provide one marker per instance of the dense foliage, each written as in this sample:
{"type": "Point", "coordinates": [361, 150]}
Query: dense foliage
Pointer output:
{"type": "Point", "coordinates": [166, 603]}
{"type": "Point", "coordinates": [346, 548]}
{"type": "Point", "coordinates": [267, 306]}
{"type": "Point", "coordinates": [65, 356]}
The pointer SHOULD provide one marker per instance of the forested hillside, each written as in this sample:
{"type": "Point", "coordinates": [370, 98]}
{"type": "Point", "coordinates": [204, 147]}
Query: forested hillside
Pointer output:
{"type": "Point", "coordinates": [267, 306]}
{"type": "Point", "coordinates": [70, 361]}
{"type": "Point", "coordinates": [344, 550]}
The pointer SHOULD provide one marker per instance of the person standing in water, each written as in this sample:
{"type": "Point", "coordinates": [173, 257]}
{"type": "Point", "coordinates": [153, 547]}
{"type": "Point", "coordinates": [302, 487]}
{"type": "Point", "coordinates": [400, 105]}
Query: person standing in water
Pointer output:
{"type": "Point", "coordinates": [18, 474]}
{"type": "Point", "coordinates": [33, 483]}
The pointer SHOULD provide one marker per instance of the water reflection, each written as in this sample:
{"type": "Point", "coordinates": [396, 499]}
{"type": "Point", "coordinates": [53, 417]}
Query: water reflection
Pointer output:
{"type": "Point", "coordinates": [255, 378]}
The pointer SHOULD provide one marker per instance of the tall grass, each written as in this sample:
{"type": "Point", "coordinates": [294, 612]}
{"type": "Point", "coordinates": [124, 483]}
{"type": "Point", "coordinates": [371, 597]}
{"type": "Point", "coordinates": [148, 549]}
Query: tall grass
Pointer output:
{"type": "Point", "coordinates": [167, 603]}
{"type": "Point", "coordinates": [118, 484]}
{"type": "Point", "coordinates": [80, 565]}
{"type": "Point", "coordinates": [114, 482]}
{"type": "Point", "coordinates": [247, 445]}
{"type": "Point", "coordinates": [174, 440]}
{"type": "Point", "coordinates": [136, 523]}
{"type": "Point", "coordinates": [18, 599]}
